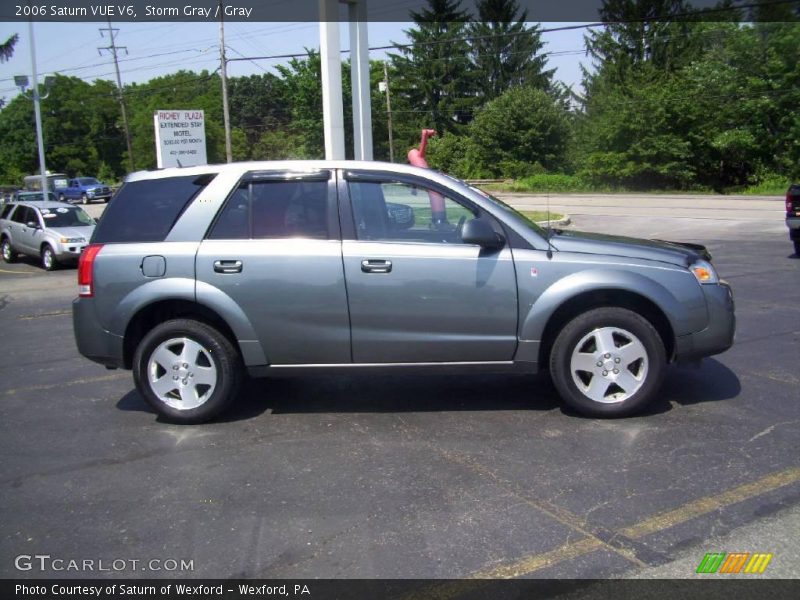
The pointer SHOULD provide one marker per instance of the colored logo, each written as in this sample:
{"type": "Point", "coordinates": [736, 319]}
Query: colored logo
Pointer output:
{"type": "Point", "coordinates": [734, 562]}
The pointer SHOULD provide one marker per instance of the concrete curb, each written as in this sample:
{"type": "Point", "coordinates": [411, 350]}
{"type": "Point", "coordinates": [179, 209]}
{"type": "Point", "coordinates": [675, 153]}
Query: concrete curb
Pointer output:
{"type": "Point", "coordinates": [563, 222]}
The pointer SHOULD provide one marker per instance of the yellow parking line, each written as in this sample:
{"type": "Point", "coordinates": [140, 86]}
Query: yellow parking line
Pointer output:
{"type": "Point", "coordinates": [703, 506]}
{"type": "Point", "coordinates": [535, 562]}
{"type": "Point", "coordinates": [18, 272]}
{"type": "Point", "coordinates": [691, 510]}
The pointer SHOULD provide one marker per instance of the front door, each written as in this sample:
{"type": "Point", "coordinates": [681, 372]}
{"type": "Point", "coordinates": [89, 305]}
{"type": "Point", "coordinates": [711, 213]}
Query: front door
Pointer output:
{"type": "Point", "coordinates": [417, 293]}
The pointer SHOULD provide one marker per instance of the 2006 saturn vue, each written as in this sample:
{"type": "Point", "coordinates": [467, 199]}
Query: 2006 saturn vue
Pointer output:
{"type": "Point", "coordinates": [196, 276]}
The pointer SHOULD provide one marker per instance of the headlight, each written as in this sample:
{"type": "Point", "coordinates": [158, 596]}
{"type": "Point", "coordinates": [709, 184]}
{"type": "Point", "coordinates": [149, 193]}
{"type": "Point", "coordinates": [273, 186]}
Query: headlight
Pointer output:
{"type": "Point", "coordinates": [704, 272]}
{"type": "Point", "coordinates": [72, 240]}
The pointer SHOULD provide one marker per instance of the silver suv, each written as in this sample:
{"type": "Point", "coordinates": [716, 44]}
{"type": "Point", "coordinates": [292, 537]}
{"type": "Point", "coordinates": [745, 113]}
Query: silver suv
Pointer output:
{"type": "Point", "coordinates": [54, 232]}
{"type": "Point", "coordinates": [196, 276]}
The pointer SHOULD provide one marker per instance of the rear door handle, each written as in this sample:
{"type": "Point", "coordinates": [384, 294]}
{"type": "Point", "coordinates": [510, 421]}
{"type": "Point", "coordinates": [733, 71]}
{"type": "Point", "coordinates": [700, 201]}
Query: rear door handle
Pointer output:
{"type": "Point", "coordinates": [227, 266]}
{"type": "Point", "coordinates": [372, 265]}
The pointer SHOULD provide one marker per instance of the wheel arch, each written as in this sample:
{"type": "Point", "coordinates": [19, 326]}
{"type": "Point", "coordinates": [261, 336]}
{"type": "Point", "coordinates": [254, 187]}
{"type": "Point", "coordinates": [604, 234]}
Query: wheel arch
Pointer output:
{"type": "Point", "coordinates": [150, 315]}
{"type": "Point", "coordinates": [605, 297]}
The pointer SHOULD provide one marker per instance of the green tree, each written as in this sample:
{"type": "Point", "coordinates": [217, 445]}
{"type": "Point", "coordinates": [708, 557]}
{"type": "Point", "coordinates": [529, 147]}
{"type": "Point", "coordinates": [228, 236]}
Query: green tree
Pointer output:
{"type": "Point", "coordinates": [302, 89]}
{"type": "Point", "coordinates": [434, 83]}
{"type": "Point", "coordinates": [505, 52]}
{"type": "Point", "coordinates": [7, 48]}
{"type": "Point", "coordinates": [522, 128]}
{"type": "Point", "coordinates": [257, 104]}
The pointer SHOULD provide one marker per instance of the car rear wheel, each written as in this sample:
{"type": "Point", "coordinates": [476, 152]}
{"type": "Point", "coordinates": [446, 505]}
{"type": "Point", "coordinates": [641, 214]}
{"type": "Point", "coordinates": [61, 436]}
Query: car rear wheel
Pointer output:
{"type": "Point", "coordinates": [49, 261]}
{"type": "Point", "coordinates": [62, 198]}
{"type": "Point", "coordinates": [9, 255]}
{"type": "Point", "coordinates": [187, 371]}
{"type": "Point", "coordinates": [608, 362]}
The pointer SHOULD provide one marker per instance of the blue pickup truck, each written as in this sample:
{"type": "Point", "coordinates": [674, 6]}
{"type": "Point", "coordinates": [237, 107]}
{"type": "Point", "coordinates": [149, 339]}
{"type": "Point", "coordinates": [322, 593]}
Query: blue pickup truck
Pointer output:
{"type": "Point", "coordinates": [83, 189]}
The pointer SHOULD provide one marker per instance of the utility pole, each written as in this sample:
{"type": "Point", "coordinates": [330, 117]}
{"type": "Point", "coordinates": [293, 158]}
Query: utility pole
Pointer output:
{"type": "Point", "coordinates": [38, 114]}
{"type": "Point", "coordinates": [113, 49]}
{"type": "Point", "coordinates": [388, 110]}
{"type": "Point", "coordinates": [224, 71]}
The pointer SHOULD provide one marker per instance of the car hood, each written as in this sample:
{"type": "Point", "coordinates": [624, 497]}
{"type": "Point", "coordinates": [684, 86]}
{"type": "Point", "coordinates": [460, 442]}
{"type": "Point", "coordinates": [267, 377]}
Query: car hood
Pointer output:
{"type": "Point", "coordinates": [73, 232]}
{"type": "Point", "coordinates": [677, 253]}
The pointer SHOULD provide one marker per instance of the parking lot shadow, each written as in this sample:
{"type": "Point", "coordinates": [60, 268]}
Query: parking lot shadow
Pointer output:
{"type": "Point", "coordinates": [712, 382]}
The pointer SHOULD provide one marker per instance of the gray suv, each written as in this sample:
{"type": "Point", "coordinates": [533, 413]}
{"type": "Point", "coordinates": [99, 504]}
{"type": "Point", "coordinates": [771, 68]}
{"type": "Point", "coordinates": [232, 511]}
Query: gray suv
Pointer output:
{"type": "Point", "coordinates": [54, 232]}
{"type": "Point", "coordinates": [196, 276]}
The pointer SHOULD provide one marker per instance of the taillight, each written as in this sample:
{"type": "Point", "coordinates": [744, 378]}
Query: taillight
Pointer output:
{"type": "Point", "coordinates": [86, 270]}
{"type": "Point", "coordinates": [788, 203]}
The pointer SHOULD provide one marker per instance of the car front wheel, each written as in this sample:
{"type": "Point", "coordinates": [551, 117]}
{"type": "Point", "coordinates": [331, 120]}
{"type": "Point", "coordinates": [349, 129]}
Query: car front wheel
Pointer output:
{"type": "Point", "coordinates": [797, 247]}
{"type": "Point", "coordinates": [608, 362]}
{"type": "Point", "coordinates": [84, 199]}
{"type": "Point", "coordinates": [187, 371]}
{"type": "Point", "coordinates": [49, 261]}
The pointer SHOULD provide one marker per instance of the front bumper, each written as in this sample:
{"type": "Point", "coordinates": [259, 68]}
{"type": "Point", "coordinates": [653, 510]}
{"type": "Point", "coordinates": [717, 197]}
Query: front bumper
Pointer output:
{"type": "Point", "coordinates": [718, 336]}
{"type": "Point", "coordinates": [793, 223]}
{"type": "Point", "coordinates": [70, 252]}
{"type": "Point", "coordinates": [94, 342]}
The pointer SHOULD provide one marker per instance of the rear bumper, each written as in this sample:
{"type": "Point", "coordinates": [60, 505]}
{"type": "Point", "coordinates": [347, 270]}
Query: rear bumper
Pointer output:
{"type": "Point", "coordinates": [718, 336]}
{"type": "Point", "coordinates": [94, 342]}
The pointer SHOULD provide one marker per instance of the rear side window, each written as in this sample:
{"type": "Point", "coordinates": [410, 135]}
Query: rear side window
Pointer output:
{"type": "Point", "coordinates": [22, 215]}
{"type": "Point", "coordinates": [6, 210]}
{"type": "Point", "coordinates": [274, 209]}
{"type": "Point", "coordinates": [146, 211]}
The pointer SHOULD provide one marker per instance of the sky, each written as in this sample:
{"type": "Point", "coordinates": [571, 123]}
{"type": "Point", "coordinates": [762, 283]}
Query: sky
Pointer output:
{"type": "Point", "coordinates": [155, 49]}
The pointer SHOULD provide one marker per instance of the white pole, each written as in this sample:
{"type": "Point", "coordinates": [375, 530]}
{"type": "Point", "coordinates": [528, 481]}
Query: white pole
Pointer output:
{"type": "Point", "coordinates": [332, 111]}
{"type": "Point", "coordinates": [359, 75]}
{"type": "Point", "coordinates": [37, 111]}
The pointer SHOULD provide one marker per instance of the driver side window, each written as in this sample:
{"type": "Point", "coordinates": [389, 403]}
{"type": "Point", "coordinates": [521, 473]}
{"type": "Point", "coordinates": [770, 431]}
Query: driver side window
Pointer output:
{"type": "Point", "coordinates": [401, 212]}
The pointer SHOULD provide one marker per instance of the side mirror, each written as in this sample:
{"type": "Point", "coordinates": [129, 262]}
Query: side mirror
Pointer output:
{"type": "Point", "coordinates": [480, 232]}
{"type": "Point", "coordinates": [32, 224]}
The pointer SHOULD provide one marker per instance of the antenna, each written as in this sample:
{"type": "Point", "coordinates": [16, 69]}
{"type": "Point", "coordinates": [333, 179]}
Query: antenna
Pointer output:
{"type": "Point", "coordinates": [549, 230]}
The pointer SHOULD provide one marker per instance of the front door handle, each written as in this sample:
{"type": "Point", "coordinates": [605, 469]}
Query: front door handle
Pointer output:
{"type": "Point", "coordinates": [227, 266]}
{"type": "Point", "coordinates": [376, 266]}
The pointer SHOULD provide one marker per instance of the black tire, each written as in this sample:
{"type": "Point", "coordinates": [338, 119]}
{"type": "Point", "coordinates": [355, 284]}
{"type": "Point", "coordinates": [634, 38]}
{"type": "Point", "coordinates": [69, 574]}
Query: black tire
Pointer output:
{"type": "Point", "coordinates": [222, 353]}
{"type": "Point", "coordinates": [625, 328]}
{"type": "Point", "coordinates": [8, 253]}
{"type": "Point", "coordinates": [797, 247]}
{"type": "Point", "coordinates": [84, 199]}
{"type": "Point", "coordinates": [62, 198]}
{"type": "Point", "coordinates": [49, 261]}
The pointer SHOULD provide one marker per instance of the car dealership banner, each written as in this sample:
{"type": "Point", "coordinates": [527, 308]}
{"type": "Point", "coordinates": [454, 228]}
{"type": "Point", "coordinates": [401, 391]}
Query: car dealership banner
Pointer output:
{"type": "Point", "coordinates": [180, 138]}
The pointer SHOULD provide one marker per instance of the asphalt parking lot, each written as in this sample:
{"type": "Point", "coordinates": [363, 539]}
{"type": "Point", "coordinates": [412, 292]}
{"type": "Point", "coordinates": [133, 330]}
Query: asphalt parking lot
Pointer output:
{"type": "Point", "coordinates": [408, 477]}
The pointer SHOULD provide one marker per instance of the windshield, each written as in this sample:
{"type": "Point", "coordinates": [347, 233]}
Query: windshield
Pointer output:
{"type": "Point", "coordinates": [88, 181]}
{"type": "Point", "coordinates": [71, 216]}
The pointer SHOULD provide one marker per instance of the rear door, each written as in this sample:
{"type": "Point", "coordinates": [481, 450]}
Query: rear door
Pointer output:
{"type": "Point", "coordinates": [275, 250]}
{"type": "Point", "coordinates": [417, 292]}
{"type": "Point", "coordinates": [22, 234]}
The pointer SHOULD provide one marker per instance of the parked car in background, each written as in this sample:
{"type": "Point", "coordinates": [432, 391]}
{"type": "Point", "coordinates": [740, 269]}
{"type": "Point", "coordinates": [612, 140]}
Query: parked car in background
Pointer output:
{"type": "Point", "coordinates": [197, 274]}
{"type": "Point", "coordinates": [28, 196]}
{"type": "Point", "coordinates": [84, 190]}
{"type": "Point", "coordinates": [793, 215]}
{"type": "Point", "coordinates": [33, 183]}
{"type": "Point", "coordinates": [54, 232]}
